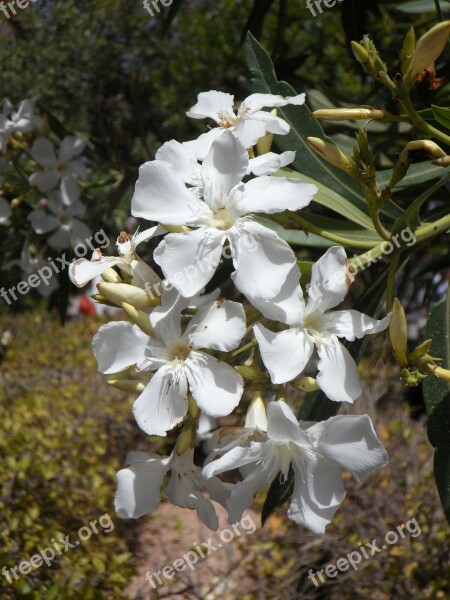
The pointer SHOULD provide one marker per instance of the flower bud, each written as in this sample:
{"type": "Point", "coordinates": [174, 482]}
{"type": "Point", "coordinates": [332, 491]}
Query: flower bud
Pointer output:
{"type": "Point", "coordinates": [186, 438]}
{"type": "Point", "coordinates": [330, 152]}
{"type": "Point", "coordinates": [408, 50]}
{"type": "Point", "coordinates": [256, 414]}
{"type": "Point", "coordinates": [127, 385]}
{"type": "Point", "coordinates": [442, 162]}
{"type": "Point", "coordinates": [118, 293]}
{"type": "Point", "coordinates": [363, 57]}
{"type": "Point", "coordinates": [264, 144]}
{"type": "Point", "coordinates": [345, 114]}
{"type": "Point", "coordinates": [111, 276]}
{"type": "Point", "coordinates": [398, 333]}
{"type": "Point", "coordinates": [252, 374]}
{"type": "Point", "coordinates": [307, 384]}
{"type": "Point", "coordinates": [139, 318]}
{"type": "Point", "coordinates": [420, 351]}
{"type": "Point", "coordinates": [428, 49]}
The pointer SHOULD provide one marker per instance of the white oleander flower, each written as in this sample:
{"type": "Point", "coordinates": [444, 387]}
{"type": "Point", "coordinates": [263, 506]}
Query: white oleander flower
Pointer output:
{"type": "Point", "coordinates": [220, 211]}
{"type": "Point", "coordinates": [317, 453]}
{"type": "Point", "coordinates": [286, 353]}
{"type": "Point", "coordinates": [179, 364]}
{"type": "Point", "coordinates": [248, 124]}
{"type": "Point", "coordinates": [82, 271]}
{"type": "Point", "coordinates": [140, 482]}
{"type": "Point", "coordinates": [63, 168]}
{"type": "Point", "coordinates": [23, 120]}
{"type": "Point", "coordinates": [63, 222]}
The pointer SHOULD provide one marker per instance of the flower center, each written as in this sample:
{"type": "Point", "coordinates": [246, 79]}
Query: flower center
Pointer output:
{"type": "Point", "coordinates": [314, 324]}
{"type": "Point", "coordinates": [223, 219]}
{"type": "Point", "coordinates": [179, 351]}
{"type": "Point", "coordinates": [64, 220]}
{"type": "Point", "coordinates": [227, 120]}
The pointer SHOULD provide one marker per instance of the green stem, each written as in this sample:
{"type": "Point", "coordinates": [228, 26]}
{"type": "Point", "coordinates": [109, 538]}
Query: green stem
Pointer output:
{"type": "Point", "coordinates": [438, 10]}
{"type": "Point", "coordinates": [239, 351]}
{"type": "Point", "coordinates": [393, 267]}
{"type": "Point", "coordinates": [420, 123]}
{"type": "Point", "coordinates": [343, 241]}
{"type": "Point", "coordinates": [431, 230]}
{"type": "Point", "coordinates": [375, 215]}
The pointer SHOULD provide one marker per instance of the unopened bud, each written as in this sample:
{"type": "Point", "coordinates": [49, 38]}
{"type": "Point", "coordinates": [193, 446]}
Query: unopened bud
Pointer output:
{"type": "Point", "coordinates": [127, 385]}
{"type": "Point", "coordinates": [408, 50]}
{"type": "Point", "coordinates": [307, 384]}
{"type": "Point", "coordinates": [139, 318]}
{"type": "Point", "coordinates": [420, 351]}
{"type": "Point", "coordinates": [252, 374]}
{"type": "Point", "coordinates": [186, 438]}
{"type": "Point", "coordinates": [118, 293]}
{"type": "Point", "coordinates": [442, 162]}
{"type": "Point", "coordinates": [428, 49]}
{"type": "Point", "coordinates": [256, 417]}
{"type": "Point", "coordinates": [111, 276]}
{"type": "Point", "coordinates": [363, 57]}
{"type": "Point", "coordinates": [345, 114]}
{"type": "Point", "coordinates": [330, 153]}
{"type": "Point", "coordinates": [398, 333]}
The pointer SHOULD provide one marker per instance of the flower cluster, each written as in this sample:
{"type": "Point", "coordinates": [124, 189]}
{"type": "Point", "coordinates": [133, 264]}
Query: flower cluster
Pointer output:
{"type": "Point", "coordinates": [205, 196]}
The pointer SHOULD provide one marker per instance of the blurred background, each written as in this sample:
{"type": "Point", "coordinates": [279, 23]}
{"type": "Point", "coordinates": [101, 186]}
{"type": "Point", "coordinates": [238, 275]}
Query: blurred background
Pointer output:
{"type": "Point", "coordinates": [122, 79]}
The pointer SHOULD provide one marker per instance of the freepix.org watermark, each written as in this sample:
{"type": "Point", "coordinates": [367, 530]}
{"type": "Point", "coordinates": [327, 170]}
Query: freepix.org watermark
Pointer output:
{"type": "Point", "coordinates": [154, 6]}
{"type": "Point", "coordinates": [200, 551]}
{"type": "Point", "coordinates": [45, 273]}
{"type": "Point", "coordinates": [314, 5]}
{"type": "Point", "coordinates": [365, 552]}
{"type": "Point", "coordinates": [58, 547]}
{"type": "Point", "coordinates": [9, 8]}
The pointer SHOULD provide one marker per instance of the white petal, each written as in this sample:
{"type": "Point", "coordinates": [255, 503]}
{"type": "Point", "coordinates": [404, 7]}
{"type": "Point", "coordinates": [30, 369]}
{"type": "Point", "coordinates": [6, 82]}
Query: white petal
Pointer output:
{"type": "Point", "coordinates": [262, 260]}
{"type": "Point", "coordinates": [160, 195]}
{"type": "Point", "coordinates": [269, 163]}
{"type": "Point", "coordinates": [329, 284]}
{"type": "Point", "coordinates": [220, 326]}
{"type": "Point", "coordinates": [45, 180]}
{"type": "Point", "coordinates": [202, 145]}
{"type": "Point", "coordinates": [181, 159]}
{"type": "Point", "coordinates": [43, 153]}
{"type": "Point", "coordinates": [338, 375]}
{"type": "Point", "coordinates": [70, 192]}
{"type": "Point", "coordinates": [271, 123]}
{"type": "Point", "coordinates": [144, 236]}
{"type": "Point", "coordinates": [283, 425]}
{"type": "Point", "coordinates": [351, 443]}
{"type": "Point", "coordinates": [80, 232]}
{"type": "Point", "coordinates": [318, 493]}
{"type": "Point", "coordinates": [78, 168]}
{"type": "Point", "coordinates": [189, 260]}
{"type": "Point", "coordinates": [258, 101]}
{"type": "Point", "coordinates": [285, 353]}
{"type": "Point", "coordinates": [5, 211]}
{"type": "Point", "coordinates": [352, 324]}
{"type": "Point", "coordinates": [163, 403]}
{"type": "Point", "coordinates": [211, 104]}
{"type": "Point", "coordinates": [275, 194]}
{"type": "Point", "coordinates": [234, 459]}
{"type": "Point", "coordinates": [138, 487]}
{"type": "Point", "coordinates": [223, 169]}
{"type": "Point", "coordinates": [61, 238]}
{"type": "Point", "coordinates": [42, 222]}
{"type": "Point", "coordinates": [215, 386]}
{"type": "Point", "coordinates": [71, 146]}
{"type": "Point", "coordinates": [243, 493]}
{"type": "Point", "coordinates": [117, 346]}
{"type": "Point", "coordinates": [82, 271]}
{"type": "Point", "coordinates": [249, 131]}
{"type": "Point", "coordinates": [288, 305]}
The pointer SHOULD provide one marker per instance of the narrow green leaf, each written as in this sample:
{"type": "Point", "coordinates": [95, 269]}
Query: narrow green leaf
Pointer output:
{"type": "Point", "coordinates": [437, 400]}
{"type": "Point", "coordinates": [442, 115]}
{"type": "Point", "coordinates": [417, 174]}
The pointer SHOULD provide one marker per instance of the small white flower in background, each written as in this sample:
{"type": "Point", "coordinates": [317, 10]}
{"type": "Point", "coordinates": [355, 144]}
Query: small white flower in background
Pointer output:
{"type": "Point", "coordinates": [63, 169]}
{"type": "Point", "coordinates": [140, 481]}
{"type": "Point", "coordinates": [317, 454]}
{"type": "Point", "coordinates": [286, 353]}
{"type": "Point", "coordinates": [248, 124]}
{"type": "Point", "coordinates": [220, 211]}
{"type": "Point", "coordinates": [175, 356]}
{"type": "Point", "coordinates": [82, 271]}
{"type": "Point", "coordinates": [31, 264]}
{"type": "Point", "coordinates": [5, 211]}
{"type": "Point", "coordinates": [68, 230]}
{"type": "Point", "coordinates": [23, 120]}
